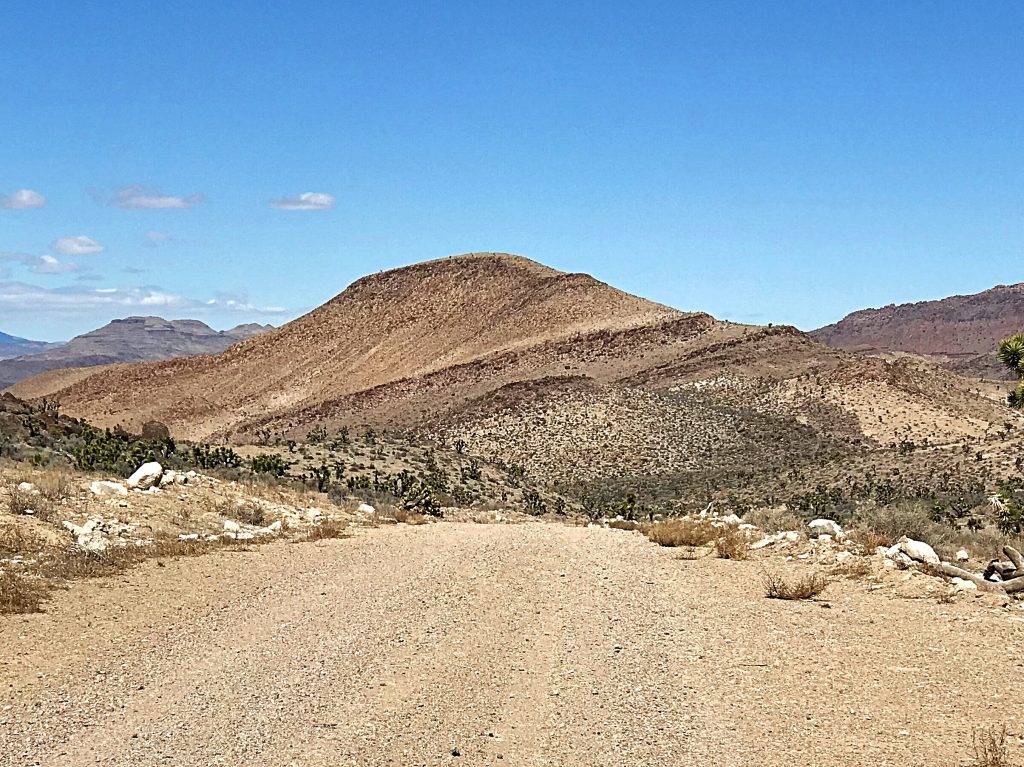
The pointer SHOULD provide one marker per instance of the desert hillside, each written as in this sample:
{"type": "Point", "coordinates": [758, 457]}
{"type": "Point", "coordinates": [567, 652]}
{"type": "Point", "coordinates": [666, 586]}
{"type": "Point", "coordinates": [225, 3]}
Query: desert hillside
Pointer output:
{"type": "Point", "coordinates": [959, 332]}
{"type": "Point", "coordinates": [560, 373]}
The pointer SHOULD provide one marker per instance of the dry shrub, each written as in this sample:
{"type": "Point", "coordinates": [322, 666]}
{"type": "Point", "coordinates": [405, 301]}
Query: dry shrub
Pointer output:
{"type": "Point", "coordinates": [18, 540]}
{"type": "Point", "coordinates": [858, 567]}
{"type": "Point", "coordinates": [682, 532]}
{"type": "Point", "coordinates": [690, 553]}
{"type": "Point", "coordinates": [623, 524]}
{"type": "Point", "coordinates": [869, 540]}
{"type": "Point", "coordinates": [408, 517]}
{"type": "Point", "coordinates": [774, 520]}
{"type": "Point", "coordinates": [56, 486]}
{"type": "Point", "coordinates": [21, 594]}
{"type": "Point", "coordinates": [731, 544]}
{"type": "Point", "coordinates": [990, 749]}
{"type": "Point", "coordinates": [20, 501]}
{"type": "Point", "coordinates": [807, 587]}
{"type": "Point", "coordinates": [327, 530]}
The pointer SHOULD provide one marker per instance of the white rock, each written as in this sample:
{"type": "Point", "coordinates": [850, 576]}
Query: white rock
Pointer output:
{"type": "Point", "coordinates": [188, 537]}
{"type": "Point", "coordinates": [274, 526]}
{"type": "Point", "coordinates": [918, 550]}
{"type": "Point", "coordinates": [824, 527]}
{"type": "Point", "coordinates": [365, 508]}
{"type": "Point", "coordinates": [102, 487]}
{"type": "Point", "coordinates": [27, 487]}
{"type": "Point", "coordinates": [962, 556]}
{"type": "Point", "coordinates": [843, 556]}
{"type": "Point", "coordinates": [790, 535]}
{"type": "Point", "coordinates": [825, 538]}
{"type": "Point", "coordinates": [729, 519]}
{"type": "Point", "coordinates": [169, 477]}
{"type": "Point", "coordinates": [147, 475]}
{"type": "Point", "coordinates": [231, 526]}
{"type": "Point", "coordinates": [244, 536]}
{"type": "Point", "coordinates": [962, 584]}
{"type": "Point", "coordinates": [313, 514]}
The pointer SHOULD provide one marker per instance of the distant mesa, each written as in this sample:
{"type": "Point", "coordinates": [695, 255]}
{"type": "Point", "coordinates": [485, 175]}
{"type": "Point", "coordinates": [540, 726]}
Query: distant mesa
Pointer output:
{"type": "Point", "coordinates": [132, 339]}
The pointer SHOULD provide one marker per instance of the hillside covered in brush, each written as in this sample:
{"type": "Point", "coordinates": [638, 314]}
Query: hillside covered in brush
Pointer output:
{"type": "Point", "coordinates": [558, 372]}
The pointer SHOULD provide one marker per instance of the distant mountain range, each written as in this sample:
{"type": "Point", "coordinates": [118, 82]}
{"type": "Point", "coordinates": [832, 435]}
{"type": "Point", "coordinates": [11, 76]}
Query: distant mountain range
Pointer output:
{"type": "Point", "coordinates": [133, 339]}
{"type": "Point", "coordinates": [12, 346]}
{"type": "Point", "coordinates": [960, 332]}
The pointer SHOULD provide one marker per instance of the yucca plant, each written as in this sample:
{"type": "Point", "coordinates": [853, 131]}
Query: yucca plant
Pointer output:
{"type": "Point", "coordinates": [1011, 354]}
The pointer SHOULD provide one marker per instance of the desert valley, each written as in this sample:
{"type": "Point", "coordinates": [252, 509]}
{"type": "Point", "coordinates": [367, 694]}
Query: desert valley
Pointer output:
{"type": "Point", "coordinates": [494, 469]}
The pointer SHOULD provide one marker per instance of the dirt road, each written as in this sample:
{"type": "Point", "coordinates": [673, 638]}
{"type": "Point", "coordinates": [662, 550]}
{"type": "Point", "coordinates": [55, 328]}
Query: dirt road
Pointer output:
{"type": "Point", "coordinates": [462, 644]}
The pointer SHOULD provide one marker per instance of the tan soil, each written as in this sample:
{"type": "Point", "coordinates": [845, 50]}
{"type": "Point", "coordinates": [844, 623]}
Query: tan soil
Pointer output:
{"type": "Point", "coordinates": [532, 644]}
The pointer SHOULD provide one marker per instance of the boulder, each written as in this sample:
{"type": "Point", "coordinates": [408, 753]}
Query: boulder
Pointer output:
{"type": "Point", "coordinates": [147, 475]}
{"type": "Point", "coordinates": [962, 584]}
{"type": "Point", "coordinates": [962, 555]}
{"type": "Point", "coordinates": [824, 527]}
{"type": "Point", "coordinates": [103, 487]}
{"type": "Point", "coordinates": [918, 550]}
{"type": "Point", "coordinates": [27, 487]}
{"type": "Point", "coordinates": [231, 526]}
{"type": "Point", "coordinates": [365, 508]}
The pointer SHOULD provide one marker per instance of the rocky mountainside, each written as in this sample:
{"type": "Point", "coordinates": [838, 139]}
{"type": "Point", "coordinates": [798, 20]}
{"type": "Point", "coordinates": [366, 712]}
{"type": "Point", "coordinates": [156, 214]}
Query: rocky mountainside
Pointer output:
{"type": "Point", "coordinates": [959, 332]}
{"type": "Point", "coordinates": [133, 339]}
{"type": "Point", "coordinates": [13, 346]}
{"type": "Point", "coordinates": [564, 375]}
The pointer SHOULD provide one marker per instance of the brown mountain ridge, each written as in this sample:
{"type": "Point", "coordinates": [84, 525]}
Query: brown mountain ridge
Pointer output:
{"type": "Point", "coordinates": [959, 332]}
{"type": "Point", "coordinates": [560, 372]}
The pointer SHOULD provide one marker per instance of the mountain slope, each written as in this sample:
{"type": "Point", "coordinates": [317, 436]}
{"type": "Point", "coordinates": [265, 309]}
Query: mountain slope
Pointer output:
{"type": "Point", "coordinates": [133, 339]}
{"type": "Point", "coordinates": [959, 332]}
{"type": "Point", "coordinates": [13, 346]}
{"type": "Point", "coordinates": [559, 373]}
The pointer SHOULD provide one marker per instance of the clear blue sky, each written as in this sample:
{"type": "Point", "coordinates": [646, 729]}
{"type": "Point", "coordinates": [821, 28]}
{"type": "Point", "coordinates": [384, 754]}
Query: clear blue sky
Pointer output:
{"type": "Point", "coordinates": [779, 161]}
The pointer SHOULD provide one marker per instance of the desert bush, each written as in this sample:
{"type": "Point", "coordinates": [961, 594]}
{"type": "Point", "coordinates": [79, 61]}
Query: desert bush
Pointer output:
{"type": "Point", "coordinates": [330, 529]}
{"type": "Point", "coordinates": [269, 463]}
{"type": "Point", "coordinates": [624, 524]}
{"type": "Point", "coordinates": [990, 748]}
{"type": "Point", "coordinates": [20, 593]}
{"type": "Point", "coordinates": [774, 520]}
{"type": "Point", "coordinates": [682, 532]}
{"type": "Point", "coordinates": [731, 544]}
{"type": "Point", "coordinates": [807, 587]}
{"type": "Point", "coordinates": [17, 540]}
{"type": "Point", "coordinates": [22, 501]}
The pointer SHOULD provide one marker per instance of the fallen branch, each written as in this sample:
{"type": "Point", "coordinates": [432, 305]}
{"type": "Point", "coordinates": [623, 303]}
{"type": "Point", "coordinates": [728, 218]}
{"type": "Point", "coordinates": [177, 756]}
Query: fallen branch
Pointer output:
{"type": "Point", "coordinates": [1015, 556]}
{"type": "Point", "coordinates": [945, 568]}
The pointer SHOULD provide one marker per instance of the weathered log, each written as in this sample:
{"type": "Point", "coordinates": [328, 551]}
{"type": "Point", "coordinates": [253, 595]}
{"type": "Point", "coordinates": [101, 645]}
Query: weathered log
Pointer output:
{"type": "Point", "coordinates": [1013, 585]}
{"type": "Point", "coordinates": [945, 568]}
{"type": "Point", "coordinates": [1014, 556]}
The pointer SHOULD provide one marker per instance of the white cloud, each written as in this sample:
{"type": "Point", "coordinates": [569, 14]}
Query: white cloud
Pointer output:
{"type": "Point", "coordinates": [141, 198]}
{"type": "Point", "coordinates": [305, 201]}
{"type": "Point", "coordinates": [82, 300]}
{"type": "Point", "coordinates": [38, 264]}
{"type": "Point", "coordinates": [51, 265]}
{"type": "Point", "coordinates": [22, 199]}
{"type": "Point", "coordinates": [77, 246]}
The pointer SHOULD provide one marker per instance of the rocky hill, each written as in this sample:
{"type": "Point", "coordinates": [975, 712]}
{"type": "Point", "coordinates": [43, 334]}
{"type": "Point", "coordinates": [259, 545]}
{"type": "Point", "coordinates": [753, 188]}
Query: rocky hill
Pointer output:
{"type": "Point", "coordinates": [133, 339]}
{"type": "Point", "coordinates": [560, 373]}
{"type": "Point", "coordinates": [13, 346]}
{"type": "Point", "coordinates": [959, 332]}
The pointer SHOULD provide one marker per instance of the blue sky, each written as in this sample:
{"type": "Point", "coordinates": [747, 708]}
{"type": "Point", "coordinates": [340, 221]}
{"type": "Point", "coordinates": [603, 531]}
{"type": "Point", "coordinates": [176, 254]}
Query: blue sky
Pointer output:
{"type": "Point", "coordinates": [789, 162]}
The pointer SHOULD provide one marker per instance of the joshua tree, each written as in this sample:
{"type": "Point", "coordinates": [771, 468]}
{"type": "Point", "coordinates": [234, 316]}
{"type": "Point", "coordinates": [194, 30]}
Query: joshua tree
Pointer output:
{"type": "Point", "coordinates": [1011, 354]}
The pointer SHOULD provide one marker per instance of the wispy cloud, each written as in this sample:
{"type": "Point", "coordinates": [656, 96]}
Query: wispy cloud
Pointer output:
{"type": "Point", "coordinates": [83, 299]}
{"type": "Point", "coordinates": [22, 199]}
{"type": "Point", "coordinates": [38, 264]}
{"type": "Point", "coordinates": [143, 198]}
{"type": "Point", "coordinates": [304, 201]}
{"type": "Point", "coordinates": [155, 239]}
{"type": "Point", "coordinates": [77, 246]}
{"type": "Point", "coordinates": [51, 265]}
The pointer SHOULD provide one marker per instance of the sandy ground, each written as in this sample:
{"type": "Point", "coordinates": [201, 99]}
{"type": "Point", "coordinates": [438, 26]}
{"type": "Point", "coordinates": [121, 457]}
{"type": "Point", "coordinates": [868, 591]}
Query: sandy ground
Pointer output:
{"type": "Point", "coordinates": [467, 644]}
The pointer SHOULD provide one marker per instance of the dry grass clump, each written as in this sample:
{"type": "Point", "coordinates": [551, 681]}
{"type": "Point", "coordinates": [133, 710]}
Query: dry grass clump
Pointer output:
{"type": "Point", "coordinates": [682, 532]}
{"type": "Point", "coordinates": [17, 540]}
{"type": "Point", "coordinates": [21, 594]}
{"type": "Point", "coordinates": [731, 544]}
{"type": "Point", "coordinates": [408, 517]}
{"type": "Point", "coordinates": [327, 530]}
{"type": "Point", "coordinates": [807, 587]}
{"type": "Point", "coordinates": [624, 524]}
{"type": "Point", "coordinates": [990, 748]}
{"type": "Point", "coordinates": [774, 520]}
{"type": "Point", "coordinates": [858, 567]}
